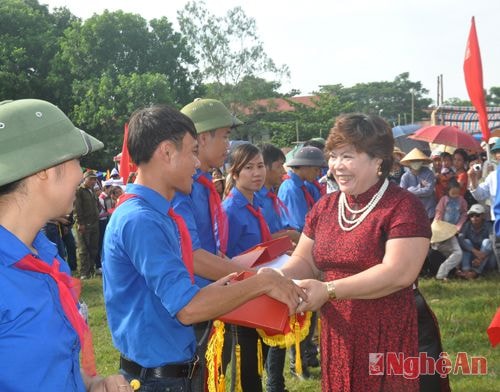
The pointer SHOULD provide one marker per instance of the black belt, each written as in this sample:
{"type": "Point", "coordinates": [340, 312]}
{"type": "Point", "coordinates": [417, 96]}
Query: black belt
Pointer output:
{"type": "Point", "coordinates": [182, 370]}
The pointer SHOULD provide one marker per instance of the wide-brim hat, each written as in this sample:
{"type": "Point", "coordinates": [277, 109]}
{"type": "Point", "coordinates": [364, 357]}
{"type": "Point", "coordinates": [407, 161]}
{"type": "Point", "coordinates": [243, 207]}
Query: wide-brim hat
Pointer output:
{"type": "Point", "coordinates": [308, 156]}
{"type": "Point", "coordinates": [397, 153]}
{"type": "Point", "coordinates": [415, 155]}
{"type": "Point", "coordinates": [442, 231]}
{"type": "Point", "coordinates": [36, 135]}
{"type": "Point", "coordinates": [210, 114]}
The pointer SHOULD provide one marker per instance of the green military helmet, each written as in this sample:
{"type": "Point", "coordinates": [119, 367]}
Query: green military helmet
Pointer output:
{"type": "Point", "coordinates": [209, 114]}
{"type": "Point", "coordinates": [36, 135]}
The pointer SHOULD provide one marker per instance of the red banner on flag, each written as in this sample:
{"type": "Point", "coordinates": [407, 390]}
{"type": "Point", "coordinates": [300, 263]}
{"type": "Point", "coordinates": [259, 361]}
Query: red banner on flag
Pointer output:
{"type": "Point", "coordinates": [473, 72]}
{"type": "Point", "coordinates": [126, 164]}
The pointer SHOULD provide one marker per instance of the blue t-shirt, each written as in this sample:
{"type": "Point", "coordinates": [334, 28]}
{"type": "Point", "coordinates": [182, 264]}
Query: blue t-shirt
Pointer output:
{"type": "Point", "coordinates": [244, 228]}
{"type": "Point", "coordinates": [146, 282]}
{"type": "Point", "coordinates": [292, 195]}
{"type": "Point", "coordinates": [195, 209]}
{"type": "Point", "coordinates": [452, 210]}
{"type": "Point", "coordinates": [39, 348]}
{"type": "Point", "coordinates": [273, 219]}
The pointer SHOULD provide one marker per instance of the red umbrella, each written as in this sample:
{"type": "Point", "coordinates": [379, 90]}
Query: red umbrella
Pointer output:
{"type": "Point", "coordinates": [448, 135]}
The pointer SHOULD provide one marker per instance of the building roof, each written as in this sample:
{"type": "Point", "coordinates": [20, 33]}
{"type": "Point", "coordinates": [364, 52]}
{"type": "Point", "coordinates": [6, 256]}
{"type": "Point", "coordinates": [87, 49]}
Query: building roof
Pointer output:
{"type": "Point", "coordinates": [465, 117]}
{"type": "Point", "coordinates": [280, 104]}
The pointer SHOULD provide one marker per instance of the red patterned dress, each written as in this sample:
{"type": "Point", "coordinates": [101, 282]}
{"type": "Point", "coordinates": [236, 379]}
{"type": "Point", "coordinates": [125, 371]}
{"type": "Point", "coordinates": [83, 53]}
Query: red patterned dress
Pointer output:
{"type": "Point", "coordinates": [352, 329]}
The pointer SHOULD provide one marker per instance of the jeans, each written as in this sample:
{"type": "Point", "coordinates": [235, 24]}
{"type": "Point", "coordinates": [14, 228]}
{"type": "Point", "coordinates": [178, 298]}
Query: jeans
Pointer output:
{"type": "Point", "coordinates": [275, 363]}
{"type": "Point", "coordinates": [170, 384]}
{"type": "Point", "coordinates": [451, 249]}
{"type": "Point", "coordinates": [488, 262]}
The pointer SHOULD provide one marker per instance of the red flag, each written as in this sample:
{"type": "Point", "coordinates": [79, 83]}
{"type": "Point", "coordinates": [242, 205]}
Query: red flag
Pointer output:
{"type": "Point", "coordinates": [473, 72]}
{"type": "Point", "coordinates": [126, 165]}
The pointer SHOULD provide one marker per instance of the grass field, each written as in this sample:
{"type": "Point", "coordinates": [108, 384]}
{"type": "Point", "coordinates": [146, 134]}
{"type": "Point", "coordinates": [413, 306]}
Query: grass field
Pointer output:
{"type": "Point", "coordinates": [464, 310]}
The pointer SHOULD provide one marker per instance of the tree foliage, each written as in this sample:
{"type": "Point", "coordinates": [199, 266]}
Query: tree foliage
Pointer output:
{"type": "Point", "coordinates": [227, 48]}
{"type": "Point", "coordinates": [28, 42]}
{"type": "Point", "coordinates": [391, 100]}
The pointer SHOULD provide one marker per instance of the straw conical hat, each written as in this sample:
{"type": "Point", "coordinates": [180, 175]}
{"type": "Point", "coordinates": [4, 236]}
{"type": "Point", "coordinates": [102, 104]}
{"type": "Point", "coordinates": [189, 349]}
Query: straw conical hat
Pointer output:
{"type": "Point", "coordinates": [397, 153]}
{"type": "Point", "coordinates": [442, 231]}
{"type": "Point", "coordinates": [415, 155]}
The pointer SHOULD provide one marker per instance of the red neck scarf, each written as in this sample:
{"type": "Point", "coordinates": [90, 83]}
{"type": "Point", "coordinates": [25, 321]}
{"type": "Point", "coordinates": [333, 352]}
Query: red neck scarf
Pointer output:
{"type": "Point", "coordinates": [219, 217]}
{"type": "Point", "coordinates": [264, 228]}
{"type": "Point", "coordinates": [309, 198]}
{"type": "Point", "coordinates": [321, 187]}
{"type": "Point", "coordinates": [185, 237]}
{"type": "Point", "coordinates": [278, 205]}
{"type": "Point", "coordinates": [69, 292]}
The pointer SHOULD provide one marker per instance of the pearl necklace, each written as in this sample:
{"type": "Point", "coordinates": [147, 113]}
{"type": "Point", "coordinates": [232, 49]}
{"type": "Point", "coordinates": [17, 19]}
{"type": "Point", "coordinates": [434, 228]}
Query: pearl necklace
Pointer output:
{"type": "Point", "coordinates": [353, 223]}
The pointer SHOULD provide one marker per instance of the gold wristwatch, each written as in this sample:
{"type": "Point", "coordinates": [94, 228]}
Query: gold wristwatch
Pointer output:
{"type": "Point", "coordinates": [330, 288]}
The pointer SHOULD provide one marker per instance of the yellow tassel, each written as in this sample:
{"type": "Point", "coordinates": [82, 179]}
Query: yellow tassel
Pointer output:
{"type": "Point", "coordinates": [213, 356]}
{"type": "Point", "coordinates": [260, 360]}
{"type": "Point", "coordinates": [287, 340]}
{"type": "Point", "coordinates": [237, 355]}
{"type": "Point", "coordinates": [298, 359]}
{"type": "Point", "coordinates": [222, 383]}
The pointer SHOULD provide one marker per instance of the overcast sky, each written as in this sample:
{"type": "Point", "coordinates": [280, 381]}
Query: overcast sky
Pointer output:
{"type": "Point", "coordinates": [353, 41]}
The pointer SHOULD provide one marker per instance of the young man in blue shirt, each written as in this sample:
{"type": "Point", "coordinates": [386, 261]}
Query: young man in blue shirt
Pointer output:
{"type": "Point", "coordinates": [150, 295]}
{"type": "Point", "coordinates": [299, 195]}
{"type": "Point", "coordinates": [202, 208]}
{"type": "Point", "coordinates": [304, 167]}
{"type": "Point", "coordinates": [274, 212]}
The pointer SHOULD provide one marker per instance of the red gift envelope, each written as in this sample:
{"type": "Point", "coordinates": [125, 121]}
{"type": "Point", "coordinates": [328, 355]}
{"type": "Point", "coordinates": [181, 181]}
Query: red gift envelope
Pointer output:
{"type": "Point", "coordinates": [262, 312]}
{"type": "Point", "coordinates": [264, 252]}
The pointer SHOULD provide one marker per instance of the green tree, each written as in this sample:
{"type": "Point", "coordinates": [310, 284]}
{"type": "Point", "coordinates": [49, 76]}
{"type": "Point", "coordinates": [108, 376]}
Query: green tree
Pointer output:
{"type": "Point", "coordinates": [227, 48]}
{"type": "Point", "coordinates": [108, 103]}
{"type": "Point", "coordinates": [29, 37]}
{"type": "Point", "coordinates": [118, 43]}
{"type": "Point", "coordinates": [392, 100]}
{"type": "Point", "coordinates": [118, 62]}
{"type": "Point", "coordinates": [454, 101]}
{"type": "Point", "coordinates": [493, 98]}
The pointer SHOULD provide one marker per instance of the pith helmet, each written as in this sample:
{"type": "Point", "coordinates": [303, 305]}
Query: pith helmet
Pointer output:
{"type": "Point", "coordinates": [209, 114]}
{"type": "Point", "coordinates": [308, 156]}
{"type": "Point", "coordinates": [36, 135]}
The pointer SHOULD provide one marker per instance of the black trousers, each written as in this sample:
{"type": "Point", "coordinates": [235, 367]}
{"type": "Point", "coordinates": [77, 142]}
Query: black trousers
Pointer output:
{"type": "Point", "coordinates": [429, 341]}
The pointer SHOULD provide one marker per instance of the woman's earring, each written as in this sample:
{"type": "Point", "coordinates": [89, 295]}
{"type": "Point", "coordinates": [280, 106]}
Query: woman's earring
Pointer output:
{"type": "Point", "coordinates": [379, 172]}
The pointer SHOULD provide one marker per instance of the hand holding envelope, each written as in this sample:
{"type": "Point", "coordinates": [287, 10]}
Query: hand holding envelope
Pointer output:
{"type": "Point", "coordinates": [317, 295]}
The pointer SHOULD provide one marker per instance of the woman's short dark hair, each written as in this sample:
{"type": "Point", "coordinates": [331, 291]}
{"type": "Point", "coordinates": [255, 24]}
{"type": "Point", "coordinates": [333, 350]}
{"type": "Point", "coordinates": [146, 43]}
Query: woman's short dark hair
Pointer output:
{"type": "Point", "coordinates": [370, 134]}
{"type": "Point", "coordinates": [150, 126]}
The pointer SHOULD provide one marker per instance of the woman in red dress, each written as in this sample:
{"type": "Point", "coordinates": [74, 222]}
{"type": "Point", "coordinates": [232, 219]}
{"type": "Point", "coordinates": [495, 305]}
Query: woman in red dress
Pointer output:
{"type": "Point", "coordinates": [360, 253]}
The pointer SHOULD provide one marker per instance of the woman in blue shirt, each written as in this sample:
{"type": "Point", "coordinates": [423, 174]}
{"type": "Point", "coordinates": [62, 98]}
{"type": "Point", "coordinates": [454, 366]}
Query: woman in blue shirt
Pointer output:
{"type": "Point", "coordinates": [41, 330]}
{"type": "Point", "coordinates": [247, 228]}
